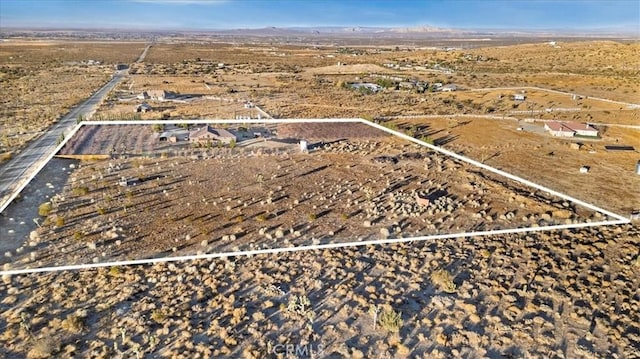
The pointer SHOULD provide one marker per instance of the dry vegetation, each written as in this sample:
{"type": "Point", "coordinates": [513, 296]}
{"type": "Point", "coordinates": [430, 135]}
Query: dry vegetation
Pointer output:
{"type": "Point", "coordinates": [555, 295]}
{"type": "Point", "coordinates": [562, 294]}
{"type": "Point", "coordinates": [265, 196]}
{"type": "Point", "coordinates": [41, 80]}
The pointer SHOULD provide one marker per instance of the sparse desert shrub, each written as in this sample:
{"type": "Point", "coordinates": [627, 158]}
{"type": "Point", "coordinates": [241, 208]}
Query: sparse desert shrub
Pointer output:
{"type": "Point", "coordinates": [73, 324]}
{"type": "Point", "coordinates": [158, 316]}
{"type": "Point", "coordinates": [59, 221]}
{"type": "Point", "coordinates": [261, 218]}
{"type": "Point", "coordinates": [101, 210]}
{"type": "Point", "coordinates": [115, 271]}
{"type": "Point", "coordinates": [77, 236]}
{"type": "Point", "coordinates": [443, 280]}
{"type": "Point", "coordinates": [427, 139]}
{"type": "Point", "coordinates": [44, 209]}
{"type": "Point", "coordinates": [80, 191]}
{"type": "Point", "coordinates": [299, 306]}
{"type": "Point", "coordinates": [312, 217]}
{"type": "Point", "coordinates": [390, 320]}
{"type": "Point", "coordinates": [344, 216]}
{"type": "Point", "coordinates": [43, 348]}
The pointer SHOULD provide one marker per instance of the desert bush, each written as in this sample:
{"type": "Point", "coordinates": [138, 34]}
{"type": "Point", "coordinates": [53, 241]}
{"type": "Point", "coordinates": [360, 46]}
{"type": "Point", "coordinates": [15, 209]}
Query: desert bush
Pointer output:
{"type": "Point", "coordinates": [60, 221]}
{"type": "Point", "coordinates": [299, 306]}
{"type": "Point", "coordinates": [44, 209]}
{"type": "Point", "coordinates": [427, 139]}
{"type": "Point", "coordinates": [115, 271]}
{"type": "Point", "coordinates": [390, 320]}
{"type": "Point", "coordinates": [158, 316]}
{"type": "Point", "coordinates": [43, 348]}
{"type": "Point", "coordinates": [443, 280]}
{"type": "Point", "coordinates": [80, 191]}
{"type": "Point", "coordinates": [73, 323]}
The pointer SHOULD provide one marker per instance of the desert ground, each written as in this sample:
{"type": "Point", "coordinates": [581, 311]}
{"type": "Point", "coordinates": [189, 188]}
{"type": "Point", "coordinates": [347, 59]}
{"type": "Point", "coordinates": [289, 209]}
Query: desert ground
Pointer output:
{"type": "Point", "coordinates": [358, 183]}
{"type": "Point", "coordinates": [559, 294]}
{"type": "Point", "coordinates": [41, 80]}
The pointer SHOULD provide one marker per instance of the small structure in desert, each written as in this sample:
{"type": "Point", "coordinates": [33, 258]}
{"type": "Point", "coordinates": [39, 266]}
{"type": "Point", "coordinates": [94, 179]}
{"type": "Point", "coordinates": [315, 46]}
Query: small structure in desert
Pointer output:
{"type": "Point", "coordinates": [208, 133]}
{"type": "Point", "coordinates": [519, 97]}
{"type": "Point", "coordinates": [143, 108]}
{"type": "Point", "coordinates": [422, 201]}
{"type": "Point", "coordinates": [128, 181]}
{"type": "Point", "coordinates": [584, 169]}
{"type": "Point", "coordinates": [157, 95]}
{"type": "Point", "coordinates": [449, 88]}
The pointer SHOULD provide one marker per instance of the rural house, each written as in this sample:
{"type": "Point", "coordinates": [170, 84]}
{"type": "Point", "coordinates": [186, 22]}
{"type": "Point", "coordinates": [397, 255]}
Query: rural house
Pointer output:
{"type": "Point", "coordinates": [519, 97]}
{"type": "Point", "coordinates": [570, 129]}
{"type": "Point", "coordinates": [158, 95]}
{"type": "Point", "coordinates": [209, 133]}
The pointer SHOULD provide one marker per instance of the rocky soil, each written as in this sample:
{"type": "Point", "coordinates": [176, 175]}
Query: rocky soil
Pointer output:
{"type": "Point", "coordinates": [565, 294]}
{"type": "Point", "coordinates": [228, 200]}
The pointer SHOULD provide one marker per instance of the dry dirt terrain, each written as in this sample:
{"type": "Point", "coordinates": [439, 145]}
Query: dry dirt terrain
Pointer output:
{"type": "Point", "coordinates": [569, 294]}
{"type": "Point", "coordinates": [553, 162]}
{"type": "Point", "coordinates": [260, 197]}
{"type": "Point", "coordinates": [553, 294]}
{"type": "Point", "coordinates": [41, 80]}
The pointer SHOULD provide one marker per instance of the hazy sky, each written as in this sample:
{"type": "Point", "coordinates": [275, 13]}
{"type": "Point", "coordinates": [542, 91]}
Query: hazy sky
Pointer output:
{"type": "Point", "coordinates": [220, 14]}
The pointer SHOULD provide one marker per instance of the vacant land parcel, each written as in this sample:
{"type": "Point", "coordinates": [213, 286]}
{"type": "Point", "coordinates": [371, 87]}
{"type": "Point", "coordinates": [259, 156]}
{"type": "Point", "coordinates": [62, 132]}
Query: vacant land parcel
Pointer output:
{"type": "Point", "coordinates": [41, 80]}
{"type": "Point", "coordinates": [352, 183]}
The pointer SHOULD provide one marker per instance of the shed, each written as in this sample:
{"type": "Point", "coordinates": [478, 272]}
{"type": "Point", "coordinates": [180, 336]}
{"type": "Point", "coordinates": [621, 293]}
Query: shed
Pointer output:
{"type": "Point", "coordinates": [519, 97]}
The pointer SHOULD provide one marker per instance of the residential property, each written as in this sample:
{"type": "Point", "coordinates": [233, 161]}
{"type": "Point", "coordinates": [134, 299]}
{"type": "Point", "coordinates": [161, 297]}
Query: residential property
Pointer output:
{"type": "Point", "coordinates": [208, 133]}
{"type": "Point", "coordinates": [570, 129]}
{"type": "Point", "coordinates": [367, 85]}
{"type": "Point", "coordinates": [519, 97]}
{"type": "Point", "coordinates": [158, 95]}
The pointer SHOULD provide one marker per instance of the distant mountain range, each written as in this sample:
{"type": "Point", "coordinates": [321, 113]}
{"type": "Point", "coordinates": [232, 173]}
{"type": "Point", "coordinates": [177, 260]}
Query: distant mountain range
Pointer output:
{"type": "Point", "coordinates": [426, 33]}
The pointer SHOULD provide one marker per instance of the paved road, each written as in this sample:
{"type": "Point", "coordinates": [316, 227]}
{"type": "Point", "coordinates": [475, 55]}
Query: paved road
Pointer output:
{"type": "Point", "coordinates": [15, 174]}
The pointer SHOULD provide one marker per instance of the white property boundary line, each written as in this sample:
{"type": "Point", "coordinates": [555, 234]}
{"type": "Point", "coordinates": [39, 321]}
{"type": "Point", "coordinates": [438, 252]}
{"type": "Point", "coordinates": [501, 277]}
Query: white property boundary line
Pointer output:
{"type": "Point", "coordinates": [618, 218]}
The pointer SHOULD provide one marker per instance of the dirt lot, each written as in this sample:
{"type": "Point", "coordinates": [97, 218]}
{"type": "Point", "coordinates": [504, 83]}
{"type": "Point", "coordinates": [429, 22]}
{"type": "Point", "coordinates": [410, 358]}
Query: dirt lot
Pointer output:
{"type": "Point", "coordinates": [226, 199]}
{"type": "Point", "coordinates": [41, 80]}
{"type": "Point", "coordinates": [548, 160]}
{"type": "Point", "coordinates": [557, 294]}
